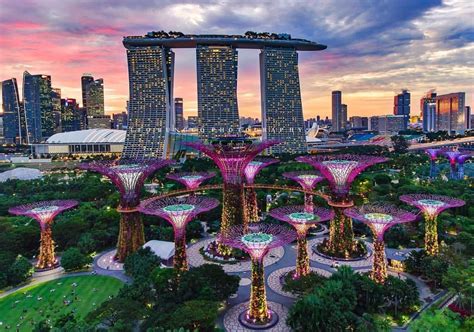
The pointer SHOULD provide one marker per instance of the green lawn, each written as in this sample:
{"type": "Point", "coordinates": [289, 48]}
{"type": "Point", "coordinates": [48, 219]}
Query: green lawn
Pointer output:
{"type": "Point", "coordinates": [49, 300]}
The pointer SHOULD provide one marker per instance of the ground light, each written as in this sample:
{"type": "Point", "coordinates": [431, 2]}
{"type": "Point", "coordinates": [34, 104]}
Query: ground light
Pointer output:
{"type": "Point", "coordinates": [302, 221]}
{"type": "Point", "coordinates": [431, 206]}
{"type": "Point", "coordinates": [257, 240]}
{"type": "Point", "coordinates": [308, 181]}
{"type": "Point", "coordinates": [340, 171]}
{"type": "Point", "coordinates": [128, 175]}
{"type": "Point", "coordinates": [379, 217]}
{"type": "Point", "coordinates": [178, 211]}
{"type": "Point", "coordinates": [44, 212]}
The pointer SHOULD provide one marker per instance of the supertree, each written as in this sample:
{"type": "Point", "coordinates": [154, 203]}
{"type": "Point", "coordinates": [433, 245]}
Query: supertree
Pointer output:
{"type": "Point", "coordinates": [257, 240]}
{"type": "Point", "coordinates": [128, 175]}
{"type": "Point", "coordinates": [44, 212]}
{"type": "Point", "coordinates": [192, 180]}
{"type": "Point", "coordinates": [308, 181]}
{"type": "Point", "coordinates": [250, 171]}
{"type": "Point", "coordinates": [431, 206]}
{"type": "Point", "coordinates": [340, 171]}
{"type": "Point", "coordinates": [433, 155]}
{"type": "Point", "coordinates": [379, 218]}
{"type": "Point", "coordinates": [453, 158]}
{"type": "Point", "coordinates": [232, 155]}
{"type": "Point", "coordinates": [178, 211]}
{"type": "Point", "coordinates": [302, 221]}
{"type": "Point", "coordinates": [461, 160]}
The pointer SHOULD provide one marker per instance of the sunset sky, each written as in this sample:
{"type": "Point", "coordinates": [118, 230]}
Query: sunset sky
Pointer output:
{"type": "Point", "coordinates": [375, 48]}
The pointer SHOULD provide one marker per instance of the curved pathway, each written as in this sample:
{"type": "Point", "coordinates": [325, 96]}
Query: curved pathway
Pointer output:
{"type": "Point", "coordinates": [367, 262]}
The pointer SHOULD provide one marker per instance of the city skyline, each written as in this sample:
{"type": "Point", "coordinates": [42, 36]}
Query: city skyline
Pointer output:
{"type": "Point", "coordinates": [424, 48]}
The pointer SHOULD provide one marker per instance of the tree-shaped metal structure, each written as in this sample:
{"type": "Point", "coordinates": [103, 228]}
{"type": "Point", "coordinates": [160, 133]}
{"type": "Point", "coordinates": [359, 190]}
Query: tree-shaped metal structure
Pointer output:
{"type": "Point", "coordinates": [44, 212]}
{"type": "Point", "coordinates": [433, 155]}
{"type": "Point", "coordinates": [452, 157]}
{"type": "Point", "coordinates": [178, 211]}
{"type": "Point", "coordinates": [257, 240]}
{"type": "Point", "coordinates": [308, 181]}
{"type": "Point", "coordinates": [232, 155]}
{"type": "Point", "coordinates": [461, 160]}
{"type": "Point", "coordinates": [340, 171]}
{"type": "Point", "coordinates": [128, 175]}
{"type": "Point", "coordinates": [302, 221]}
{"type": "Point", "coordinates": [191, 180]}
{"type": "Point", "coordinates": [250, 171]}
{"type": "Point", "coordinates": [431, 206]}
{"type": "Point", "coordinates": [379, 218]}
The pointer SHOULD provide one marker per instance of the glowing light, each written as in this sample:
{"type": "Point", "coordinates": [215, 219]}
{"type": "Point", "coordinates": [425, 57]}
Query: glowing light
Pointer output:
{"type": "Point", "coordinates": [340, 170]}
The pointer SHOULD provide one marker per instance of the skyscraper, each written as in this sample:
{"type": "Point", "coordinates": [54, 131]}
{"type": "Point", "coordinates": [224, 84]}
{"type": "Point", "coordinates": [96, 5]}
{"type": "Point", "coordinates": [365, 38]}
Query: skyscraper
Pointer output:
{"type": "Point", "coordinates": [56, 103]}
{"type": "Point", "coordinates": [428, 111]}
{"type": "Point", "coordinates": [450, 112]}
{"type": "Point", "coordinates": [70, 115]}
{"type": "Point", "coordinates": [336, 111]}
{"type": "Point", "coordinates": [12, 126]}
{"type": "Point", "coordinates": [467, 117]}
{"type": "Point", "coordinates": [343, 116]}
{"type": "Point", "coordinates": [150, 70]}
{"type": "Point", "coordinates": [38, 106]}
{"type": "Point", "coordinates": [92, 95]}
{"type": "Point", "coordinates": [401, 105]}
{"type": "Point", "coordinates": [217, 91]}
{"type": "Point", "coordinates": [178, 111]}
{"type": "Point", "coordinates": [282, 112]}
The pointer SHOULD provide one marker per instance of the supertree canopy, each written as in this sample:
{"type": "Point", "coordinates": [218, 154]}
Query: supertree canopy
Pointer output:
{"type": "Point", "coordinates": [308, 181]}
{"type": "Point", "coordinates": [431, 206]}
{"type": "Point", "coordinates": [302, 221]}
{"type": "Point", "coordinates": [340, 171]}
{"type": "Point", "coordinates": [257, 240]}
{"type": "Point", "coordinates": [232, 155]}
{"type": "Point", "coordinates": [461, 160]}
{"type": "Point", "coordinates": [178, 211]}
{"type": "Point", "coordinates": [192, 180]}
{"type": "Point", "coordinates": [128, 175]}
{"type": "Point", "coordinates": [250, 171]}
{"type": "Point", "coordinates": [44, 212]}
{"type": "Point", "coordinates": [433, 154]}
{"type": "Point", "coordinates": [379, 218]}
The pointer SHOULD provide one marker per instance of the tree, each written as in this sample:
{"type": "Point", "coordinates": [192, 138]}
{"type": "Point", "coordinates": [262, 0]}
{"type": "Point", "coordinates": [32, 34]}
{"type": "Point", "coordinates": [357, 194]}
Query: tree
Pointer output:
{"type": "Point", "coordinates": [117, 311]}
{"type": "Point", "coordinates": [87, 243]}
{"type": "Point", "coordinates": [401, 295]}
{"type": "Point", "coordinates": [193, 315]}
{"type": "Point", "coordinates": [141, 263]}
{"type": "Point", "coordinates": [73, 259]}
{"type": "Point", "coordinates": [439, 320]}
{"type": "Point", "coordinates": [382, 179]}
{"type": "Point", "coordinates": [19, 271]}
{"type": "Point", "coordinates": [399, 143]}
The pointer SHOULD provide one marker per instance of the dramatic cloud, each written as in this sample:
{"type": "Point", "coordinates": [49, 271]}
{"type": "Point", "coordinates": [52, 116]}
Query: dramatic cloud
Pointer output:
{"type": "Point", "coordinates": [375, 48]}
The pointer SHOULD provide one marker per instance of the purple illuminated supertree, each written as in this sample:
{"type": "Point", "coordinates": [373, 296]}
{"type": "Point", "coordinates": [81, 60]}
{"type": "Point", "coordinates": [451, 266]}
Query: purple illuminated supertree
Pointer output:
{"type": "Point", "coordinates": [257, 240]}
{"type": "Point", "coordinates": [308, 181]}
{"type": "Point", "coordinates": [302, 221]}
{"type": "Point", "coordinates": [250, 171]}
{"type": "Point", "coordinates": [232, 155]}
{"type": "Point", "coordinates": [453, 158]}
{"type": "Point", "coordinates": [340, 171]}
{"type": "Point", "coordinates": [433, 155]}
{"type": "Point", "coordinates": [192, 180]}
{"type": "Point", "coordinates": [44, 212]}
{"type": "Point", "coordinates": [178, 211]}
{"type": "Point", "coordinates": [128, 175]}
{"type": "Point", "coordinates": [431, 206]}
{"type": "Point", "coordinates": [379, 218]}
{"type": "Point", "coordinates": [461, 160]}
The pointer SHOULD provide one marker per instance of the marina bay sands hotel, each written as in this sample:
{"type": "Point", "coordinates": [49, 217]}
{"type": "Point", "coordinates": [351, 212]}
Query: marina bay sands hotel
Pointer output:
{"type": "Point", "coordinates": [151, 71]}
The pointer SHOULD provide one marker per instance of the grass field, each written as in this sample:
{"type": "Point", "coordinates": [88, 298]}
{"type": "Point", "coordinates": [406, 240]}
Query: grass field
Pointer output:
{"type": "Point", "coordinates": [52, 299]}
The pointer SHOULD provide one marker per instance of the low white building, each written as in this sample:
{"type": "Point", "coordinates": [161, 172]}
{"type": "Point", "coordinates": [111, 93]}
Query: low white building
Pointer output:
{"type": "Point", "coordinates": [21, 173]}
{"type": "Point", "coordinates": [162, 249]}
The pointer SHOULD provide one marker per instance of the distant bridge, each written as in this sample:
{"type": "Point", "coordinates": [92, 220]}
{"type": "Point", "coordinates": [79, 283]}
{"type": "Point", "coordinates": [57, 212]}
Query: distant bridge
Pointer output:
{"type": "Point", "coordinates": [467, 142]}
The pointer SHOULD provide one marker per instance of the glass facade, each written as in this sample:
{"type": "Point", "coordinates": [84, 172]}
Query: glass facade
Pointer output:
{"type": "Point", "coordinates": [282, 113]}
{"type": "Point", "coordinates": [92, 95]}
{"type": "Point", "coordinates": [336, 111]}
{"type": "Point", "coordinates": [450, 112]}
{"type": "Point", "coordinates": [401, 106]}
{"type": "Point", "coordinates": [217, 91]}
{"type": "Point", "coordinates": [12, 129]}
{"type": "Point", "coordinates": [178, 111]}
{"type": "Point", "coordinates": [70, 115]}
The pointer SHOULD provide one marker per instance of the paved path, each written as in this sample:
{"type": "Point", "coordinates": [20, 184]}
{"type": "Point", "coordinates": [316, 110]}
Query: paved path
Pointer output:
{"type": "Point", "coordinates": [314, 256]}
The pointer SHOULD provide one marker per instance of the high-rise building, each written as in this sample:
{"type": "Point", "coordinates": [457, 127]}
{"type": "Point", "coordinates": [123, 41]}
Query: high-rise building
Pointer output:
{"type": "Point", "coordinates": [359, 122]}
{"type": "Point", "coordinates": [387, 124]}
{"type": "Point", "coordinates": [38, 106]}
{"type": "Point", "coordinates": [336, 111]}
{"type": "Point", "coordinates": [401, 105]}
{"type": "Point", "coordinates": [56, 103]}
{"type": "Point", "coordinates": [450, 112]}
{"type": "Point", "coordinates": [193, 121]}
{"type": "Point", "coordinates": [99, 122]}
{"type": "Point", "coordinates": [13, 131]}
{"type": "Point", "coordinates": [467, 117]}
{"type": "Point", "coordinates": [70, 115]}
{"type": "Point", "coordinates": [92, 95]}
{"type": "Point", "coordinates": [150, 70]}
{"type": "Point", "coordinates": [282, 111]}
{"type": "Point", "coordinates": [178, 111]}
{"type": "Point", "coordinates": [2, 137]}
{"type": "Point", "coordinates": [217, 91]}
{"type": "Point", "coordinates": [119, 121]}
{"type": "Point", "coordinates": [428, 111]}
{"type": "Point", "coordinates": [343, 116]}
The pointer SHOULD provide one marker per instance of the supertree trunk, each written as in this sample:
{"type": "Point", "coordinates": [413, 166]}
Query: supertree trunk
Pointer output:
{"type": "Point", "coordinates": [180, 262]}
{"type": "Point", "coordinates": [431, 236]}
{"type": "Point", "coordinates": [460, 171]}
{"type": "Point", "coordinates": [453, 174]}
{"type": "Point", "coordinates": [131, 235]}
{"type": "Point", "coordinates": [232, 211]}
{"type": "Point", "coordinates": [341, 234]}
{"type": "Point", "coordinates": [251, 206]}
{"type": "Point", "coordinates": [302, 260]}
{"type": "Point", "coordinates": [46, 257]}
{"type": "Point", "coordinates": [432, 169]}
{"type": "Point", "coordinates": [258, 309]}
{"type": "Point", "coordinates": [379, 267]}
{"type": "Point", "coordinates": [308, 203]}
